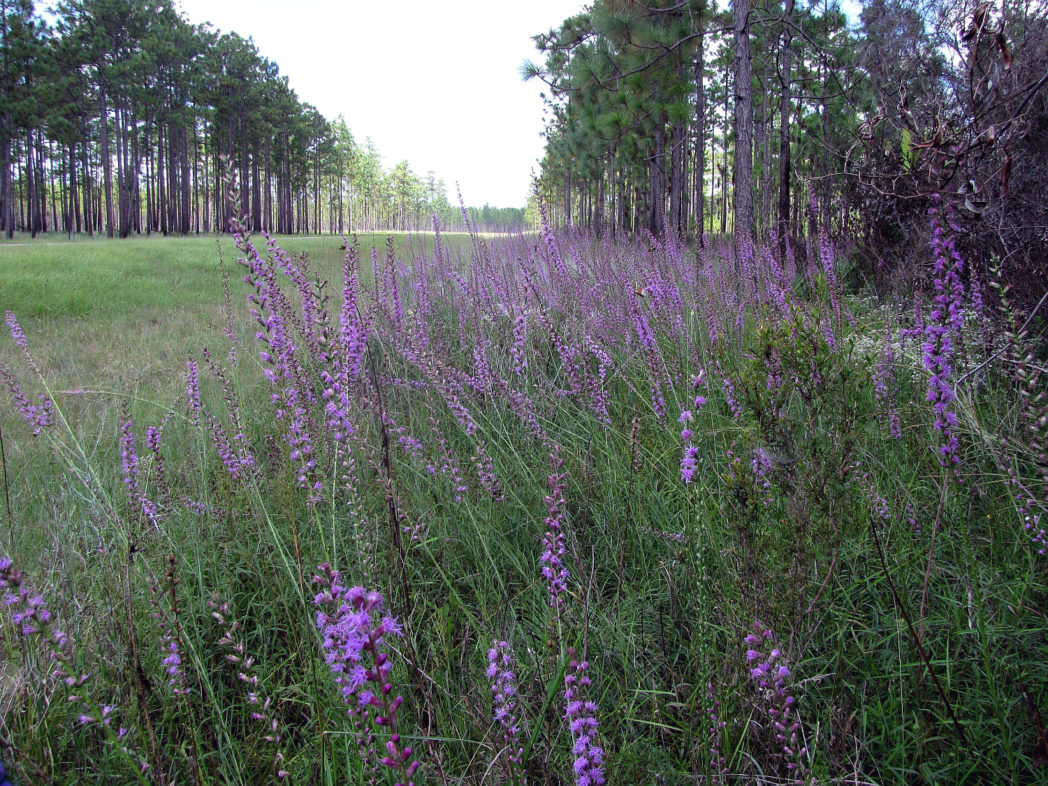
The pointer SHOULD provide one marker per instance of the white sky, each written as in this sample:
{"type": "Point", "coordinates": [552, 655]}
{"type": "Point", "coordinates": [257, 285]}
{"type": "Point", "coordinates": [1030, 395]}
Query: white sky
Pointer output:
{"type": "Point", "coordinates": [436, 83]}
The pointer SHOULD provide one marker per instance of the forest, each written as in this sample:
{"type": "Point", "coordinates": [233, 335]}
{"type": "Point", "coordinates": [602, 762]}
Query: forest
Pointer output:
{"type": "Point", "coordinates": [728, 464]}
{"type": "Point", "coordinates": [778, 121]}
{"type": "Point", "coordinates": [120, 117]}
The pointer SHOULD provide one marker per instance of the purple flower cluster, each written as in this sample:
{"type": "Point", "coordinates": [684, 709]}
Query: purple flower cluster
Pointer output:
{"type": "Point", "coordinates": [28, 612]}
{"type": "Point", "coordinates": [690, 461]}
{"type": "Point", "coordinates": [153, 443]}
{"type": "Point", "coordinates": [170, 630]}
{"type": "Point", "coordinates": [237, 460]}
{"type": "Point", "coordinates": [504, 691]}
{"type": "Point", "coordinates": [520, 337]}
{"type": "Point", "coordinates": [345, 367]}
{"type": "Point", "coordinates": [650, 347]}
{"type": "Point", "coordinates": [770, 673]}
{"type": "Point", "coordinates": [171, 645]}
{"type": "Point", "coordinates": [448, 465]}
{"type": "Point", "coordinates": [353, 627]}
{"type": "Point", "coordinates": [485, 468]}
{"type": "Point", "coordinates": [729, 394]}
{"type": "Point", "coordinates": [760, 466]}
{"type": "Point", "coordinates": [16, 330]}
{"type": "Point", "coordinates": [129, 463]}
{"type": "Point", "coordinates": [940, 335]}
{"type": "Point", "coordinates": [883, 378]}
{"type": "Point", "coordinates": [272, 310]}
{"type": "Point", "coordinates": [581, 715]}
{"type": "Point", "coordinates": [1033, 526]}
{"type": "Point", "coordinates": [553, 550]}
{"type": "Point", "coordinates": [37, 415]}
{"type": "Point", "coordinates": [33, 620]}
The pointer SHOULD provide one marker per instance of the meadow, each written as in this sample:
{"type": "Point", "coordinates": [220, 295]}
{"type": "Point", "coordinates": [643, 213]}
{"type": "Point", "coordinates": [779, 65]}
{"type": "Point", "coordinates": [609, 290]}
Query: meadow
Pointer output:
{"type": "Point", "coordinates": [525, 509]}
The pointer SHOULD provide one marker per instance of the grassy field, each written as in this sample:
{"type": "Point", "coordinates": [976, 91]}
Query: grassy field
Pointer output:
{"type": "Point", "coordinates": [617, 513]}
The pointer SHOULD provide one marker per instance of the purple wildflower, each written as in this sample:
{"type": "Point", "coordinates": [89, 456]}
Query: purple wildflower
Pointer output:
{"type": "Point", "coordinates": [520, 337]}
{"type": "Point", "coordinates": [353, 627]}
{"type": "Point", "coordinates": [16, 330]}
{"type": "Point", "coordinates": [552, 559]}
{"type": "Point", "coordinates": [770, 673]}
{"type": "Point", "coordinates": [940, 336]}
{"type": "Point", "coordinates": [129, 463]}
{"type": "Point", "coordinates": [883, 377]}
{"type": "Point", "coordinates": [193, 392]}
{"type": "Point", "coordinates": [504, 692]}
{"type": "Point", "coordinates": [581, 716]}
{"type": "Point", "coordinates": [170, 633]}
{"type": "Point", "coordinates": [38, 415]}
{"type": "Point", "coordinates": [689, 463]}
{"type": "Point", "coordinates": [34, 622]}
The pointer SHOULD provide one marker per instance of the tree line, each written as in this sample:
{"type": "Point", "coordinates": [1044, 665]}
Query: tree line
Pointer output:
{"type": "Point", "coordinates": [121, 117]}
{"type": "Point", "coordinates": [779, 118]}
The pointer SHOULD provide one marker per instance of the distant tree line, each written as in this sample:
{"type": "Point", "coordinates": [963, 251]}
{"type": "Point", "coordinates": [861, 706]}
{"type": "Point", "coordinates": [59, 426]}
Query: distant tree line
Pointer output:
{"type": "Point", "coordinates": [120, 117]}
{"type": "Point", "coordinates": [774, 116]}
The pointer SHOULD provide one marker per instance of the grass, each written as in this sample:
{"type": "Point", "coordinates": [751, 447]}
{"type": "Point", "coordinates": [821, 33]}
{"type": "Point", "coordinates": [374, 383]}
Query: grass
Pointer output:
{"type": "Point", "coordinates": [498, 394]}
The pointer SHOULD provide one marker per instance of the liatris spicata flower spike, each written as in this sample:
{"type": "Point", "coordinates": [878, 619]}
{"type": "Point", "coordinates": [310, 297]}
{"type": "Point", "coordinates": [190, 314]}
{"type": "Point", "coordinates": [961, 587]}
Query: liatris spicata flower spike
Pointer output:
{"type": "Point", "coordinates": [33, 620]}
{"type": "Point", "coordinates": [581, 715]}
{"type": "Point", "coordinates": [137, 500]}
{"type": "Point", "coordinates": [504, 690]}
{"type": "Point", "coordinates": [170, 638]}
{"type": "Point", "coordinates": [770, 673]}
{"type": "Point", "coordinates": [940, 336]}
{"type": "Point", "coordinates": [354, 626]}
{"type": "Point", "coordinates": [39, 415]}
{"type": "Point", "coordinates": [553, 550]}
{"type": "Point", "coordinates": [883, 378]}
{"type": "Point", "coordinates": [16, 330]}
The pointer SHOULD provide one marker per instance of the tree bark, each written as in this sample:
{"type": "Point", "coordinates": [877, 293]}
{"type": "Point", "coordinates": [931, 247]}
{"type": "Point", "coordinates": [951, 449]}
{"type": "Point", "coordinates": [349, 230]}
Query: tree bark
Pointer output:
{"type": "Point", "coordinates": [700, 134]}
{"type": "Point", "coordinates": [107, 163]}
{"type": "Point", "coordinates": [743, 175]}
{"type": "Point", "coordinates": [785, 162]}
{"type": "Point", "coordinates": [656, 182]}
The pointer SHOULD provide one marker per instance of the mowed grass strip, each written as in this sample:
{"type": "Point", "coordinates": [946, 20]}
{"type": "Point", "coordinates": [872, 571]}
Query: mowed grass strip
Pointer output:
{"type": "Point", "coordinates": [122, 315]}
{"type": "Point", "coordinates": [94, 277]}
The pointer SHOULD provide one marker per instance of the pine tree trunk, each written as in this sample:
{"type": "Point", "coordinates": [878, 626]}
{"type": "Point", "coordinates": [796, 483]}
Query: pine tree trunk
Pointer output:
{"type": "Point", "coordinates": [743, 175]}
{"type": "Point", "coordinates": [30, 182]}
{"type": "Point", "coordinates": [107, 163]}
{"type": "Point", "coordinates": [656, 182]}
{"type": "Point", "coordinates": [677, 179]}
{"type": "Point", "coordinates": [186, 185]}
{"type": "Point", "coordinates": [256, 192]}
{"type": "Point", "coordinates": [700, 133]}
{"type": "Point", "coordinates": [161, 183]}
{"type": "Point", "coordinates": [784, 132]}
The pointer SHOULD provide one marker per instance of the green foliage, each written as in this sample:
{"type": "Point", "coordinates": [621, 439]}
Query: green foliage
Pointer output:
{"type": "Point", "coordinates": [875, 569]}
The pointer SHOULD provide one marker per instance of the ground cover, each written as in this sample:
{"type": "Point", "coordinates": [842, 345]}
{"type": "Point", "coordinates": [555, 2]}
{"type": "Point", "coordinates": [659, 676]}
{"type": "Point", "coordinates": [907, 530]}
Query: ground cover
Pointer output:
{"type": "Point", "coordinates": [617, 511]}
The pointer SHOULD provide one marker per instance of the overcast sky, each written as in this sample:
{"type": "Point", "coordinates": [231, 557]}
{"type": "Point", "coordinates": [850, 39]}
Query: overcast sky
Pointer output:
{"type": "Point", "coordinates": [436, 83]}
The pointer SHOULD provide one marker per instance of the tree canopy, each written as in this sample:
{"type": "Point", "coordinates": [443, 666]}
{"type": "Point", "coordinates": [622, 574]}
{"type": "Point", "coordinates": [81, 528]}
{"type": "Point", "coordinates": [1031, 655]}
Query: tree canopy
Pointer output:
{"type": "Point", "coordinates": [121, 117]}
{"type": "Point", "coordinates": [789, 120]}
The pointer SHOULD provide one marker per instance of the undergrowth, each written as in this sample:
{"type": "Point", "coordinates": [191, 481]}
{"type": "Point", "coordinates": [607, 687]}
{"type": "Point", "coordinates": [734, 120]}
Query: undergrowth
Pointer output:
{"type": "Point", "coordinates": [547, 509]}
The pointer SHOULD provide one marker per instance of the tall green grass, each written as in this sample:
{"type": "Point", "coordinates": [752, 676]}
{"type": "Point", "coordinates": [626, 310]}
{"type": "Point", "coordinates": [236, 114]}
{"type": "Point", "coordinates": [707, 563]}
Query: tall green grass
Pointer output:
{"type": "Point", "coordinates": [907, 606]}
